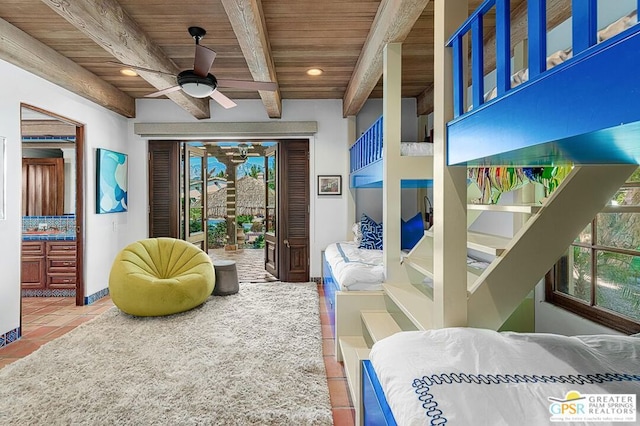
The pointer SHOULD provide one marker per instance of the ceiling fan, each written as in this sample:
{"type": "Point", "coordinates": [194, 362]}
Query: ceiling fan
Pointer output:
{"type": "Point", "coordinates": [200, 83]}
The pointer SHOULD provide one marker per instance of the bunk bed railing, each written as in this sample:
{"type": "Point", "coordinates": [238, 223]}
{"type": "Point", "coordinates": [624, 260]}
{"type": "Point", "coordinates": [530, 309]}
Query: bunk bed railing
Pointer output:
{"type": "Point", "coordinates": [367, 148]}
{"type": "Point", "coordinates": [584, 31]}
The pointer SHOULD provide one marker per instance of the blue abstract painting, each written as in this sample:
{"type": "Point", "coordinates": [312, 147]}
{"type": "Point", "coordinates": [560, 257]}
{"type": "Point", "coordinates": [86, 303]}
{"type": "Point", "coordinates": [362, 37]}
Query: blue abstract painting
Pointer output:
{"type": "Point", "coordinates": [111, 179]}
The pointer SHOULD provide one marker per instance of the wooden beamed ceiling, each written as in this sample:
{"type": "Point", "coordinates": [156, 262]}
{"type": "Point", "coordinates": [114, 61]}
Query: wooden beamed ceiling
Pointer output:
{"type": "Point", "coordinates": [24, 51]}
{"type": "Point", "coordinates": [247, 20]}
{"type": "Point", "coordinates": [262, 40]}
{"type": "Point", "coordinates": [107, 24]}
{"type": "Point", "coordinates": [393, 22]}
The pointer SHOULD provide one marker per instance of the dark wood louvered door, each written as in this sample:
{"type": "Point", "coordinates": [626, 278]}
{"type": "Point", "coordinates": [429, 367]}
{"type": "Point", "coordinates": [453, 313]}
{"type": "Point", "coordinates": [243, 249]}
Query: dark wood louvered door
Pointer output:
{"type": "Point", "coordinates": [164, 183]}
{"type": "Point", "coordinates": [293, 223]}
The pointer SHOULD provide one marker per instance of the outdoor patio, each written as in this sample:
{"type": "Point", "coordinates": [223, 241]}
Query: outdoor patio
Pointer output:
{"type": "Point", "coordinates": [249, 262]}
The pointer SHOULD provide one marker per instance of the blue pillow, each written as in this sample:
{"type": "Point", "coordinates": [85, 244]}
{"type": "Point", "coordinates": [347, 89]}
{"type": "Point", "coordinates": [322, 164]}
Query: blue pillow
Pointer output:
{"type": "Point", "coordinates": [371, 233]}
{"type": "Point", "coordinates": [411, 231]}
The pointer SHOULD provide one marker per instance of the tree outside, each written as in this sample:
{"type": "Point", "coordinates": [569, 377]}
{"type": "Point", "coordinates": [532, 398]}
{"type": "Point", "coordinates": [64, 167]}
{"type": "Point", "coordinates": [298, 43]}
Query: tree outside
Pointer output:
{"type": "Point", "coordinates": [616, 252]}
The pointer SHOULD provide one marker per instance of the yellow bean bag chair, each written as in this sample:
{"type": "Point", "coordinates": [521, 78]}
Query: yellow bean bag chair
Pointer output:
{"type": "Point", "coordinates": [160, 276]}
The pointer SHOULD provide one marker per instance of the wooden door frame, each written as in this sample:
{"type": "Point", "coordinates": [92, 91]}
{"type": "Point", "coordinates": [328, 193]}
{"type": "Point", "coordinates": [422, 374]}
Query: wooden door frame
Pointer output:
{"type": "Point", "coordinates": [79, 164]}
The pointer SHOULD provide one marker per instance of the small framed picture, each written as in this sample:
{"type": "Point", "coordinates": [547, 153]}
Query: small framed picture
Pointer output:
{"type": "Point", "coordinates": [329, 185]}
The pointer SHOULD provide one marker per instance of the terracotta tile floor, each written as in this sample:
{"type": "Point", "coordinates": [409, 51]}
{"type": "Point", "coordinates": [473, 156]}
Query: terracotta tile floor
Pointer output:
{"type": "Point", "coordinates": [46, 318]}
{"type": "Point", "coordinates": [343, 411]}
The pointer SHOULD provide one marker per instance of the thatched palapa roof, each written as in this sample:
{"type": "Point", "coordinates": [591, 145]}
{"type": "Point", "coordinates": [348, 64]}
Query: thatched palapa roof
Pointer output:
{"type": "Point", "coordinates": [250, 194]}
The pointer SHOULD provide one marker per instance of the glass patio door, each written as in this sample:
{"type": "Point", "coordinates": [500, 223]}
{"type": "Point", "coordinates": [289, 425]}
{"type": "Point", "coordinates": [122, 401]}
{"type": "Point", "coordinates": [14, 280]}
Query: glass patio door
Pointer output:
{"type": "Point", "coordinates": [195, 196]}
{"type": "Point", "coordinates": [270, 220]}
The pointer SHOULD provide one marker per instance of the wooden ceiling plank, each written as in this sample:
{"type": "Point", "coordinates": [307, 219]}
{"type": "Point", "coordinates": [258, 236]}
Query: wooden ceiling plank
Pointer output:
{"type": "Point", "coordinates": [247, 20]}
{"type": "Point", "coordinates": [393, 22]}
{"type": "Point", "coordinates": [22, 50]}
{"type": "Point", "coordinates": [107, 24]}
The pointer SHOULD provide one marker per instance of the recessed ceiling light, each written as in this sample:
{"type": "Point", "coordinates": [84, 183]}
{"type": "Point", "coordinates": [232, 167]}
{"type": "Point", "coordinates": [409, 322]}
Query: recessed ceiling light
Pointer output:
{"type": "Point", "coordinates": [128, 72]}
{"type": "Point", "coordinates": [314, 71]}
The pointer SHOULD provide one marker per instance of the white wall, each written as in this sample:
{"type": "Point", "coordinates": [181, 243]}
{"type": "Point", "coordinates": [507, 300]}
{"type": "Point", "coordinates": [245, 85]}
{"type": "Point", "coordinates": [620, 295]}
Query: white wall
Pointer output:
{"type": "Point", "coordinates": [328, 155]}
{"type": "Point", "coordinates": [369, 202]}
{"type": "Point", "coordinates": [372, 110]}
{"type": "Point", "coordinates": [496, 223]}
{"type": "Point", "coordinates": [104, 129]}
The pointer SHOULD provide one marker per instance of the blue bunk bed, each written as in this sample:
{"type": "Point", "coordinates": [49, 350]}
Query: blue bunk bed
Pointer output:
{"type": "Point", "coordinates": [568, 114]}
{"type": "Point", "coordinates": [366, 171]}
{"type": "Point", "coordinates": [556, 117]}
{"type": "Point", "coordinates": [366, 162]}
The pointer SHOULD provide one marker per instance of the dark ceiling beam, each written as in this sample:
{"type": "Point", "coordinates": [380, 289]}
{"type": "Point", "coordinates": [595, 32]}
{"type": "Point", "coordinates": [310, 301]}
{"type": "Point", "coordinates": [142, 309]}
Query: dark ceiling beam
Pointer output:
{"type": "Point", "coordinates": [107, 24]}
{"type": "Point", "coordinates": [393, 22]}
{"type": "Point", "coordinates": [247, 20]}
{"type": "Point", "coordinates": [24, 51]}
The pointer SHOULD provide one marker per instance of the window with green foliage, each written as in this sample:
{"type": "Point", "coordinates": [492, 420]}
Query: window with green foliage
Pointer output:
{"type": "Point", "coordinates": [599, 276]}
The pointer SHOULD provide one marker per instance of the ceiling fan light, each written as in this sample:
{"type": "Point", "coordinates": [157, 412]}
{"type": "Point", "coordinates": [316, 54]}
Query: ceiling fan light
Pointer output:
{"type": "Point", "coordinates": [197, 90]}
{"type": "Point", "coordinates": [195, 85]}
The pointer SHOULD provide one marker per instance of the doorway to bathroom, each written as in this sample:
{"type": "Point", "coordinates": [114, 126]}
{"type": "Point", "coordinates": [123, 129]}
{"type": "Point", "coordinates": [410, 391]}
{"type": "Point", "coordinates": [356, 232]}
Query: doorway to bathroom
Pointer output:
{"type": "Point", "coordinates": [52, 205]}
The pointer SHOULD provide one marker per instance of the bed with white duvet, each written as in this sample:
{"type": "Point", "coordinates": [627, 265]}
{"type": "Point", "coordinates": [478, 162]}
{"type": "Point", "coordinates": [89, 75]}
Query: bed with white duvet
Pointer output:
{"type": "Point", "coordinates": [465, 376]}
{"type": "Point", "coordinates": [355, 268]}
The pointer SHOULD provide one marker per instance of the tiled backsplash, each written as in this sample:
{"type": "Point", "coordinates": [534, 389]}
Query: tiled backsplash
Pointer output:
{"type": "Point", "coordinates": [58, 223]}
{"type": "Point", "coordinates": [55, 227]}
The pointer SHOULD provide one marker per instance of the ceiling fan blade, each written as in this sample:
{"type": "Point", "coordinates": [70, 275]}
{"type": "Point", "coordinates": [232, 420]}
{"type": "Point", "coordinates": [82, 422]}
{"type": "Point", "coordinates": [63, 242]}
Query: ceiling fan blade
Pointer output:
{"type": "Point", "coordinates": [140, 68]}
{"type": "Point", "coordinates": [248, 85]}
{"type": "Point", "coordinates": [222, 100]}
{"type": "Point", "coordinates": [163, 92]}
{"type": "Point", "coordinates": [203, 60]}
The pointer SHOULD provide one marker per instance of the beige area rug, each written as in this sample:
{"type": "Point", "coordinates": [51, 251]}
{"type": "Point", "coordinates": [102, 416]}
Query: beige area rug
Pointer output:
{"type": "Point", "coordinates": [250, 358]}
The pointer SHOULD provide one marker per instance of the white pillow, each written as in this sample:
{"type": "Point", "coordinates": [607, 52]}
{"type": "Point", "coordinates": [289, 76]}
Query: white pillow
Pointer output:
{"type": "Point", "coordinates": [357, 233]}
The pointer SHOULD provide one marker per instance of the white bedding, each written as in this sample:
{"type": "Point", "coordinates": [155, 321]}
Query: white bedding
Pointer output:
{"type": "Point", "coordinates": [416, 149]}
{"type": "Point", "coordinates": [354, 268]}
{"type": "Point", "coordinates": [464, 376]}
{"type": "Point", "coordinates": [358, 269]}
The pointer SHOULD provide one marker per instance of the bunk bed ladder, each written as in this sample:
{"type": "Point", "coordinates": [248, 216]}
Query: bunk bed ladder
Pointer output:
{"type": "Point", "coordinates": [501, 287]}
{"type": "Point", "coordinates": [520, 262]}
